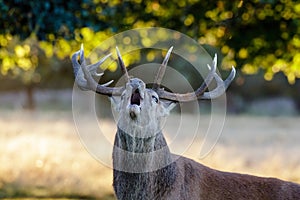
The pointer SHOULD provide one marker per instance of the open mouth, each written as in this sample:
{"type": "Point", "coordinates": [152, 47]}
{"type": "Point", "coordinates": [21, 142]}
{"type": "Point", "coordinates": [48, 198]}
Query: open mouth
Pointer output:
{"type": "Point", "coordinates": [135, 98]}
{"type": "Point", "coordinates": [135, 102]}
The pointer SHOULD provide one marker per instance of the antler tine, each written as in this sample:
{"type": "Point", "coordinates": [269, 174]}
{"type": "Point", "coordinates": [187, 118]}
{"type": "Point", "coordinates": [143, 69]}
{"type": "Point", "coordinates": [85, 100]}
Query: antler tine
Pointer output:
{"type": "Point", "coordinates": [230, 77]}
{"type": "Point", "coordinates": [123, 67]}
{"type": "Point", "coordinates": [209, 77]}
{"type": "Point", "coordinates": [84, 75]}
{"type": "Point", "coordinates": [221, 86]}
{"type": "Point", "coordinates": [161, 71]}
{"type": "Point", "coordinates": [200, 92]}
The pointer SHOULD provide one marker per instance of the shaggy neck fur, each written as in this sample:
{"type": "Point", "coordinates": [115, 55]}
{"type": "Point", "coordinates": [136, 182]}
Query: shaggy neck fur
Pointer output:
{"type": "Point", "coordinates": [142, 185]}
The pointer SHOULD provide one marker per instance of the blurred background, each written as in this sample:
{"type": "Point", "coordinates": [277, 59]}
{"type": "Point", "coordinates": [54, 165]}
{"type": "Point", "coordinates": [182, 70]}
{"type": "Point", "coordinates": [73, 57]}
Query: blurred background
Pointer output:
{"type": "Point", "coordinates": [40, 154]}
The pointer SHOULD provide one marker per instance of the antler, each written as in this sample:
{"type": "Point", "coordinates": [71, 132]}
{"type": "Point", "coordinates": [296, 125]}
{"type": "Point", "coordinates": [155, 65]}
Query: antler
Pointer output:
{"type": "Point", "coordinates": [84, 75]}
{"type": "Point", "coordinates": [200, 92]}
{"type": "Point", "coordinates": [161, 71]}
{"type": "Point", "coordinates": [123, 67]}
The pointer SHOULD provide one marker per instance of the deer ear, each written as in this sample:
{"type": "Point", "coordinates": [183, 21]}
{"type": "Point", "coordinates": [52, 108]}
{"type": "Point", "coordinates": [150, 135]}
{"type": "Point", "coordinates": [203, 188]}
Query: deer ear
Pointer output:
{"type": "Point", "coordinates": [167, 107]}
{"type": "Point", "coordinates": [115, 102]}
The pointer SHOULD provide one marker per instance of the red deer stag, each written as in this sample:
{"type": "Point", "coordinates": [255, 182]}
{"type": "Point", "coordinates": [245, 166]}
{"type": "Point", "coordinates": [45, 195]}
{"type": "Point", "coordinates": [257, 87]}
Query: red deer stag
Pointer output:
{"type": "Point", "coordinates": [144, 168]}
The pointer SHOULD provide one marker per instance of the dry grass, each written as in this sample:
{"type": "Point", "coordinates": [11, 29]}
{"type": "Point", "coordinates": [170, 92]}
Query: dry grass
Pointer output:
{"type": "Point", "coordinates": [42, 156]}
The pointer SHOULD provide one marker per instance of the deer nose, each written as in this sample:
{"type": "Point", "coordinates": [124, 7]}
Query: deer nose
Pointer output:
{"type": "Point", "coordinates": [134, 86]}
{"type": "Point", "coordinates": [135, 83]}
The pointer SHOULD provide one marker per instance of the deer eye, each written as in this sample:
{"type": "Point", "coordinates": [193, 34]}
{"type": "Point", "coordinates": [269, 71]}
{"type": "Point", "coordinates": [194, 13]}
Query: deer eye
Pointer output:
{"type": "Point", "coordinates": [155, 99]}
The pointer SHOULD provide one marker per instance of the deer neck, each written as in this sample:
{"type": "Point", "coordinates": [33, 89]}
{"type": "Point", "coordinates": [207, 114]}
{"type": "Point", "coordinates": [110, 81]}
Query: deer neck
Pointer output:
{"type": "Point", "coordinates": [132, 142]}
{"type": "Point", "coordinates": [140, 154]}
{"type": "Point", "coordinates": [142, 166]}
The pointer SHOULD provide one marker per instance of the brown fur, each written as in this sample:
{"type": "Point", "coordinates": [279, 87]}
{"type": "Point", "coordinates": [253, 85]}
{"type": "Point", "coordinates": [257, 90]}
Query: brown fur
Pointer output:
{"type": "Point", "coordinates": [187, 179]}
{"type": "Point", "coordinates": [204, 183]}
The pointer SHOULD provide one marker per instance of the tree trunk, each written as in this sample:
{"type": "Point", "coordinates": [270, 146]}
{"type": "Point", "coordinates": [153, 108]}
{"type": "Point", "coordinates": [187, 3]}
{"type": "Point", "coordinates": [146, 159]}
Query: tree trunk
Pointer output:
{"type": "Point", "coordinates": [30, 102]}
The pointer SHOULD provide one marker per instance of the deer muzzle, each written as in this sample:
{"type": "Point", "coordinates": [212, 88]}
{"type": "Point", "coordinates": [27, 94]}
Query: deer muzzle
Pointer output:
{"type": "Point", "coordinates": [135, 102]}
{"type": "Point", "coordinates": [135, 89]}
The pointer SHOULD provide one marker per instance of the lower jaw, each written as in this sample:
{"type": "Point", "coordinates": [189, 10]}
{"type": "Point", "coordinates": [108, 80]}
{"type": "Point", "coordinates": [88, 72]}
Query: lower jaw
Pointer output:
{"type": "Point", "coordinates": [134, 110]}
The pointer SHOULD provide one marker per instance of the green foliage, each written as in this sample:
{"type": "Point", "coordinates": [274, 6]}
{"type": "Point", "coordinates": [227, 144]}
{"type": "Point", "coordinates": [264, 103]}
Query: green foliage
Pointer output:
{"type": "Point", "coordinates": [251, 35]}
{"type": "Point", "coordinates": [46, 17]}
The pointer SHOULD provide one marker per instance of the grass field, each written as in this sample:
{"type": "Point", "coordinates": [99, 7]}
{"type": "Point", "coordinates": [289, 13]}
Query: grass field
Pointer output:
{"type": "Point", "coordinates": [42, 156]}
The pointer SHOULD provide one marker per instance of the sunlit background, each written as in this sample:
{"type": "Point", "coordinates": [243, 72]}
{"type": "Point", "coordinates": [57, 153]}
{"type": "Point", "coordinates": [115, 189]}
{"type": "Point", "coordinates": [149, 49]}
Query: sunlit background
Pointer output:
{"type": "Point", "coordinates": [40, 152]}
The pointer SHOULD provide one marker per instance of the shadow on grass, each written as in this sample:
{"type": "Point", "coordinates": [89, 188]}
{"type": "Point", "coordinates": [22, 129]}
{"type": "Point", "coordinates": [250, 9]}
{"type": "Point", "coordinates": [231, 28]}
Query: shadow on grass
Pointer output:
{"type": "Point", "coordinates": [9, 193]}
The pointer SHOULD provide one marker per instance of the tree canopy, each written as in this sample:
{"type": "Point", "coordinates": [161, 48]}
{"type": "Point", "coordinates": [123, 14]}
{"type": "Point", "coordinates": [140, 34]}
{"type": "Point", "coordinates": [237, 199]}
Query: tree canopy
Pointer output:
{"type": "Point", "coordinates": [253, 35]}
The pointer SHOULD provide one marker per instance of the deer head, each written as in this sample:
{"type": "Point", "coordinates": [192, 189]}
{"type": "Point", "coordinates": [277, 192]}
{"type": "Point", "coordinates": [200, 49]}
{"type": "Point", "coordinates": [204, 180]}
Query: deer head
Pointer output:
{"type": "Point", "coordinates": [141, 109]}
